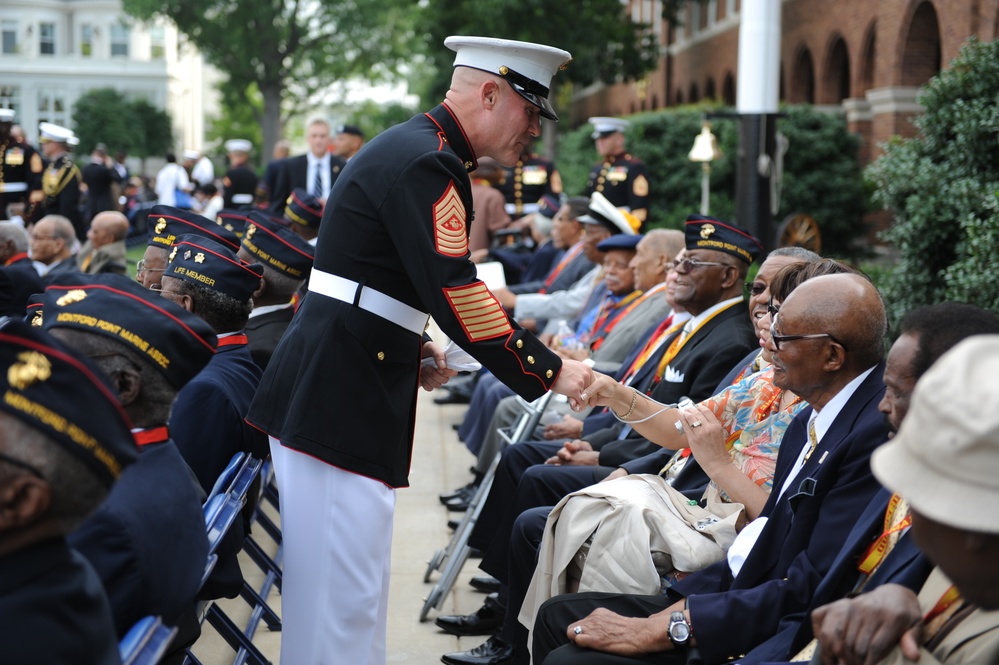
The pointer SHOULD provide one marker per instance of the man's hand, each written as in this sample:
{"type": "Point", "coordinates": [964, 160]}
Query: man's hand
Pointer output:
{"type": "Point", "coordinates": [436, 375]}
{"type": "Point", "coordinates": [606, 631]}
{"type": "Point", "coordinates": [567, 428]}
{"type": "Point", "coordinates": [615, 474]}
{"type": "Point", "coordinates": [862, 630]}
{"type": "Point", "coordinates": [507, 299]}
{"type": "Point", "coordinates": [575, 453]}
{"type": "Point", "coordinates": [572, 381]}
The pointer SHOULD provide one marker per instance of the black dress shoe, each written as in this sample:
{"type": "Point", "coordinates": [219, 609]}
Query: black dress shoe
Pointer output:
{"type": "Point", "coordinates": [493, 651]}
{"type": "Point", "coordinates": [485, 583]}
{"type": "Point", "coordinates": [459, 504]}
{"type": "Point", "coordinates": [463, 492]}
{"type": "Point", "coordinates": [453, 525]}
{"type": "Point", "coordinates": [486, 621]}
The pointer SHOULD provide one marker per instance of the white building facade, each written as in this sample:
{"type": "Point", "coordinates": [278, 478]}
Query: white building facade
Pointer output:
{"type": "Point", "coordinates": [54, 51]}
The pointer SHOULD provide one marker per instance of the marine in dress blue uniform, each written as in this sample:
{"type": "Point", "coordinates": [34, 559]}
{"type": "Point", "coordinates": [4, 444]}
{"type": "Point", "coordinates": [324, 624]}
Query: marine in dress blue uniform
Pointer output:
{"type": "Point", "coordinates": [76, 446]}
{"type": "Point", "coordinates": [531, 178]}
{"type": "Point", "coordinates": [239, 184]}
{"type": "Point", "coordinates": [61, 179]}
{"type": "Point", "coordinates": [620, 176]}
{"type": "Point", "coordinates": [147, 540]}
{"type": "Point", "coordinates": [20, 170]}
{"type": "Point", "coordinates": [392, 248]}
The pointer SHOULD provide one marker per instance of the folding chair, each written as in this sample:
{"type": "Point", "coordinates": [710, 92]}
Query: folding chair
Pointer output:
{"type": "Point", "coordinates": [228, 474]}
{"type": "Point", "coordinates": [450, 560]}
{"type": "Point", "coordinates": [221, 512]}
{"type": "Point", "coordinates": [146, 642]}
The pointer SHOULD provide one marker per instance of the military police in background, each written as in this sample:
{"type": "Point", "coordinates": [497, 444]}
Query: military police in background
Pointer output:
{"type": "Point", "coordinates": [620, 177]}
{"type": "Point", "coordinates": [527, 181]}
{"type": "Point", "coordinates": [61, 179]}
{"type": "Point", "coordinates": [20, 170]}
{"type": "Point", "coordinates": [240, 181]}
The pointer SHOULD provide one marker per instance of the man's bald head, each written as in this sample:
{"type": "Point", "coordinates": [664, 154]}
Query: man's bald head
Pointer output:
{"type": "Point", "coordinates": [107, 227]}
{"type": "Point", "coordinates": [848, 307]}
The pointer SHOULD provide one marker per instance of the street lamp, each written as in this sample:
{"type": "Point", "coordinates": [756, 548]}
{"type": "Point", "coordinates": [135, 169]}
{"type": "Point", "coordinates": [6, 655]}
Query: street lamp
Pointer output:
{"type": "Point", "coordinates": [705, 151]}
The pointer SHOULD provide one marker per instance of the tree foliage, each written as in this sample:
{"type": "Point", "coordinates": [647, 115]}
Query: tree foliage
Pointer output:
{"type": "Point", "coordinates": [291, 50]}
{"type": "Point", "coordinates": [821, 175]}
{"type": "Point", "coordinates": [605, 44]}
{"type": "Point", "coordinates": [105, 115]}
{"type": "Point", "coordinates": [943, 188]}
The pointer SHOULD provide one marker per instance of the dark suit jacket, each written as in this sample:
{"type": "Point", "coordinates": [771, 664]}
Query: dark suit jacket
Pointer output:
{"type": "Point", "coordinates": [265, 331]}
{"type": "Point", "coordinates": [207, 419]}
{"type": "Point", "coordinates": [17, 282]}
{"type": "Point", "coordinates": [147, 541]}
{"type": "Point", "coordinates": [806, 528]}
{"type": "Point", "coordinates": [54, 609]}
{"type": "Point", "coordinates": [295, 173]}
{"type": "Point", "coordinates": [904, 565]}
{"type": "Point", "coordinates": [64, 266]}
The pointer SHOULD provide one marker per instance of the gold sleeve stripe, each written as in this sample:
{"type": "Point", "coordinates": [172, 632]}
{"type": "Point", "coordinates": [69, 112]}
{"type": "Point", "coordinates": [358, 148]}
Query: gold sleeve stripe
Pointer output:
{"type": "Point", "coordinates": [450, 232]}
{"type": "Point", "coordinates": [479, 313]}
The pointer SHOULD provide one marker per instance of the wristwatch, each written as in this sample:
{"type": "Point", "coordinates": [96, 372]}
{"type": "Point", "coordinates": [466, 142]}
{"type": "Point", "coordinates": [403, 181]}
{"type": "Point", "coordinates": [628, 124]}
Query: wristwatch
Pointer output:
{"type": "Point", "coordinates": [679, 629]}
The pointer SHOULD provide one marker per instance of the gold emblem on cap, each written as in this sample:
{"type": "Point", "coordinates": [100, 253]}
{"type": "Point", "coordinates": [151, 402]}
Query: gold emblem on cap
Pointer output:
{"type": "Point", "coordinates": [31, 367]}
{"type": "Point", "coordinates": [76, 295]}
{"type": "Point", "coordinates": [36, 320]}
{"type": "Point", "coordinates": [173, 254]}
{"type": "Point", "coordinates": [218, 220]}
{"type": "Point", "coordinates": [187, 255]}
{"type": "Point", "coordinates": [250, 230]}
{"type": "Point", "coordinates": [199, 257]}
{"type": "Point", "coordinates": [228, 227]}
{"type": "Point", "coordinates": [160, 225]}
{"type": "Point", "coordinates": [707, 230]}
{"type": "Point", "coordinates": [504, 70]}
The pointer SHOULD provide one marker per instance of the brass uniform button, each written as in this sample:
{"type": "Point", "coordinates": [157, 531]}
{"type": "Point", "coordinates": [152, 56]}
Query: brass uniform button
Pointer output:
{"type": "Point", "coordinates": [549, 374]}
{"type": "Point", "coordinates": [381, 355]}
{"type": "Point", "coordinates": [520, 343]}
{"type": "Point", "coordinates": [530, 360]}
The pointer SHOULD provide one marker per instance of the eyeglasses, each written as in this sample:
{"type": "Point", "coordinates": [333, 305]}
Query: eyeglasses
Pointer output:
{"type": "Point", "coordinates": [35, 238]}
{"type": "Point", "coordinates": [141, 267]}
{"type": "Point", "coordinates": [780, 339]}
{"type": "Point", "coordinates": [772, 309]}
{"type": "Point", "coordinates": [22, 465]}
{"type": "Point", "coordinates": [691, 264]}
{"type": "Point", "coordinates": [755, 288]}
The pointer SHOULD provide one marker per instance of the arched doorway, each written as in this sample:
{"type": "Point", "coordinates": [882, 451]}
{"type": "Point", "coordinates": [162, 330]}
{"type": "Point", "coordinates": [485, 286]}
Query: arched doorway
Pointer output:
{"type": "Point", "coordinates": [836, 82]}
{"type": "Point", "coordinates": [921, 57]}
{"type": "Point", "coordinates": [802, 89]}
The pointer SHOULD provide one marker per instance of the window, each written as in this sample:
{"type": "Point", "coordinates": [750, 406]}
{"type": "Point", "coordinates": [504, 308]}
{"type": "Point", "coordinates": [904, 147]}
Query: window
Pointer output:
{"type": "Point", "coordinates": [52, 107]}
{"type": "Point", "coordinates": [86, 40]}
{"type": "Point", "coordinates": [157, 40]}
{"type": "Point", "coordinates": [8, 37]}
{"type": "Point", "coordinates": [47, 38]}
{"type": "Point", "coordinates": [10, 98]}
{"type": "Point", "coordinates": [120, 34]}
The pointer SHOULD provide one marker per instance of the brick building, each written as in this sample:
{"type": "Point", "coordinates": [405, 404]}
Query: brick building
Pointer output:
{"type": "Point", "coordinates": [863, 58]}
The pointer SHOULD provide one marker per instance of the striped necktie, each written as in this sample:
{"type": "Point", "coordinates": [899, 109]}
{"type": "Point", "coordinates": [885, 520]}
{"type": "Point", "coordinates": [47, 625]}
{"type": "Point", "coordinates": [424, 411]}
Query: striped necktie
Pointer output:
{"type": "Point", "coordinates": [317, 184]}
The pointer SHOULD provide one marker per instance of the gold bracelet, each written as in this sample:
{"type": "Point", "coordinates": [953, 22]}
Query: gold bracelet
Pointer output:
{"type": "Point", "coordinates": [634, 401]}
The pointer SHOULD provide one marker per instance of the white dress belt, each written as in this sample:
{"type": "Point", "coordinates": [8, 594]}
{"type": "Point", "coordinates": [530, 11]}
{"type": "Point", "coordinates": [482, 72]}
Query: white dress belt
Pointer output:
{"type": "Point", "coordinates": [13, 186]}
{"type": "Point", "coordinates": [526, 208]}
{"type": "Point", "coordinates": [370, 300]}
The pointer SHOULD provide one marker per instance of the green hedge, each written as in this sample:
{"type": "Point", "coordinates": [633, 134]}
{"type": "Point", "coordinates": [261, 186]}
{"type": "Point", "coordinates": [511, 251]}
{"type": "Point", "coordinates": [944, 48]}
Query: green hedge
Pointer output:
{"type": "Point", "coordinates": [943, 188]}
{"type": "Point", "coordinates": [821, 173]}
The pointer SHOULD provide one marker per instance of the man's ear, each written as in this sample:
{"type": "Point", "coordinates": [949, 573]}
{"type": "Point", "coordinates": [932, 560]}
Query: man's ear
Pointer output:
{"type": "Point", "coordinates": [260, 289]}
{"type": "Point", "coordinates": [23, 500]}
{"type": "Point", "coordinates": [489, 93]}
{"type": "Point", "coordinates": [128, 384]}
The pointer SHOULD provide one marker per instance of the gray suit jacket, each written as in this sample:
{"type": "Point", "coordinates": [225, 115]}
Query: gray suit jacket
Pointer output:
{"type": "Point", "coordinates": [621, 340]}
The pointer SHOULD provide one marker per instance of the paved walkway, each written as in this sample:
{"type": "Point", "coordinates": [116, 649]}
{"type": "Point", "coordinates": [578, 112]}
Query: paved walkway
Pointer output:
{"type": "Point", "coordinates": [440, 463]}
